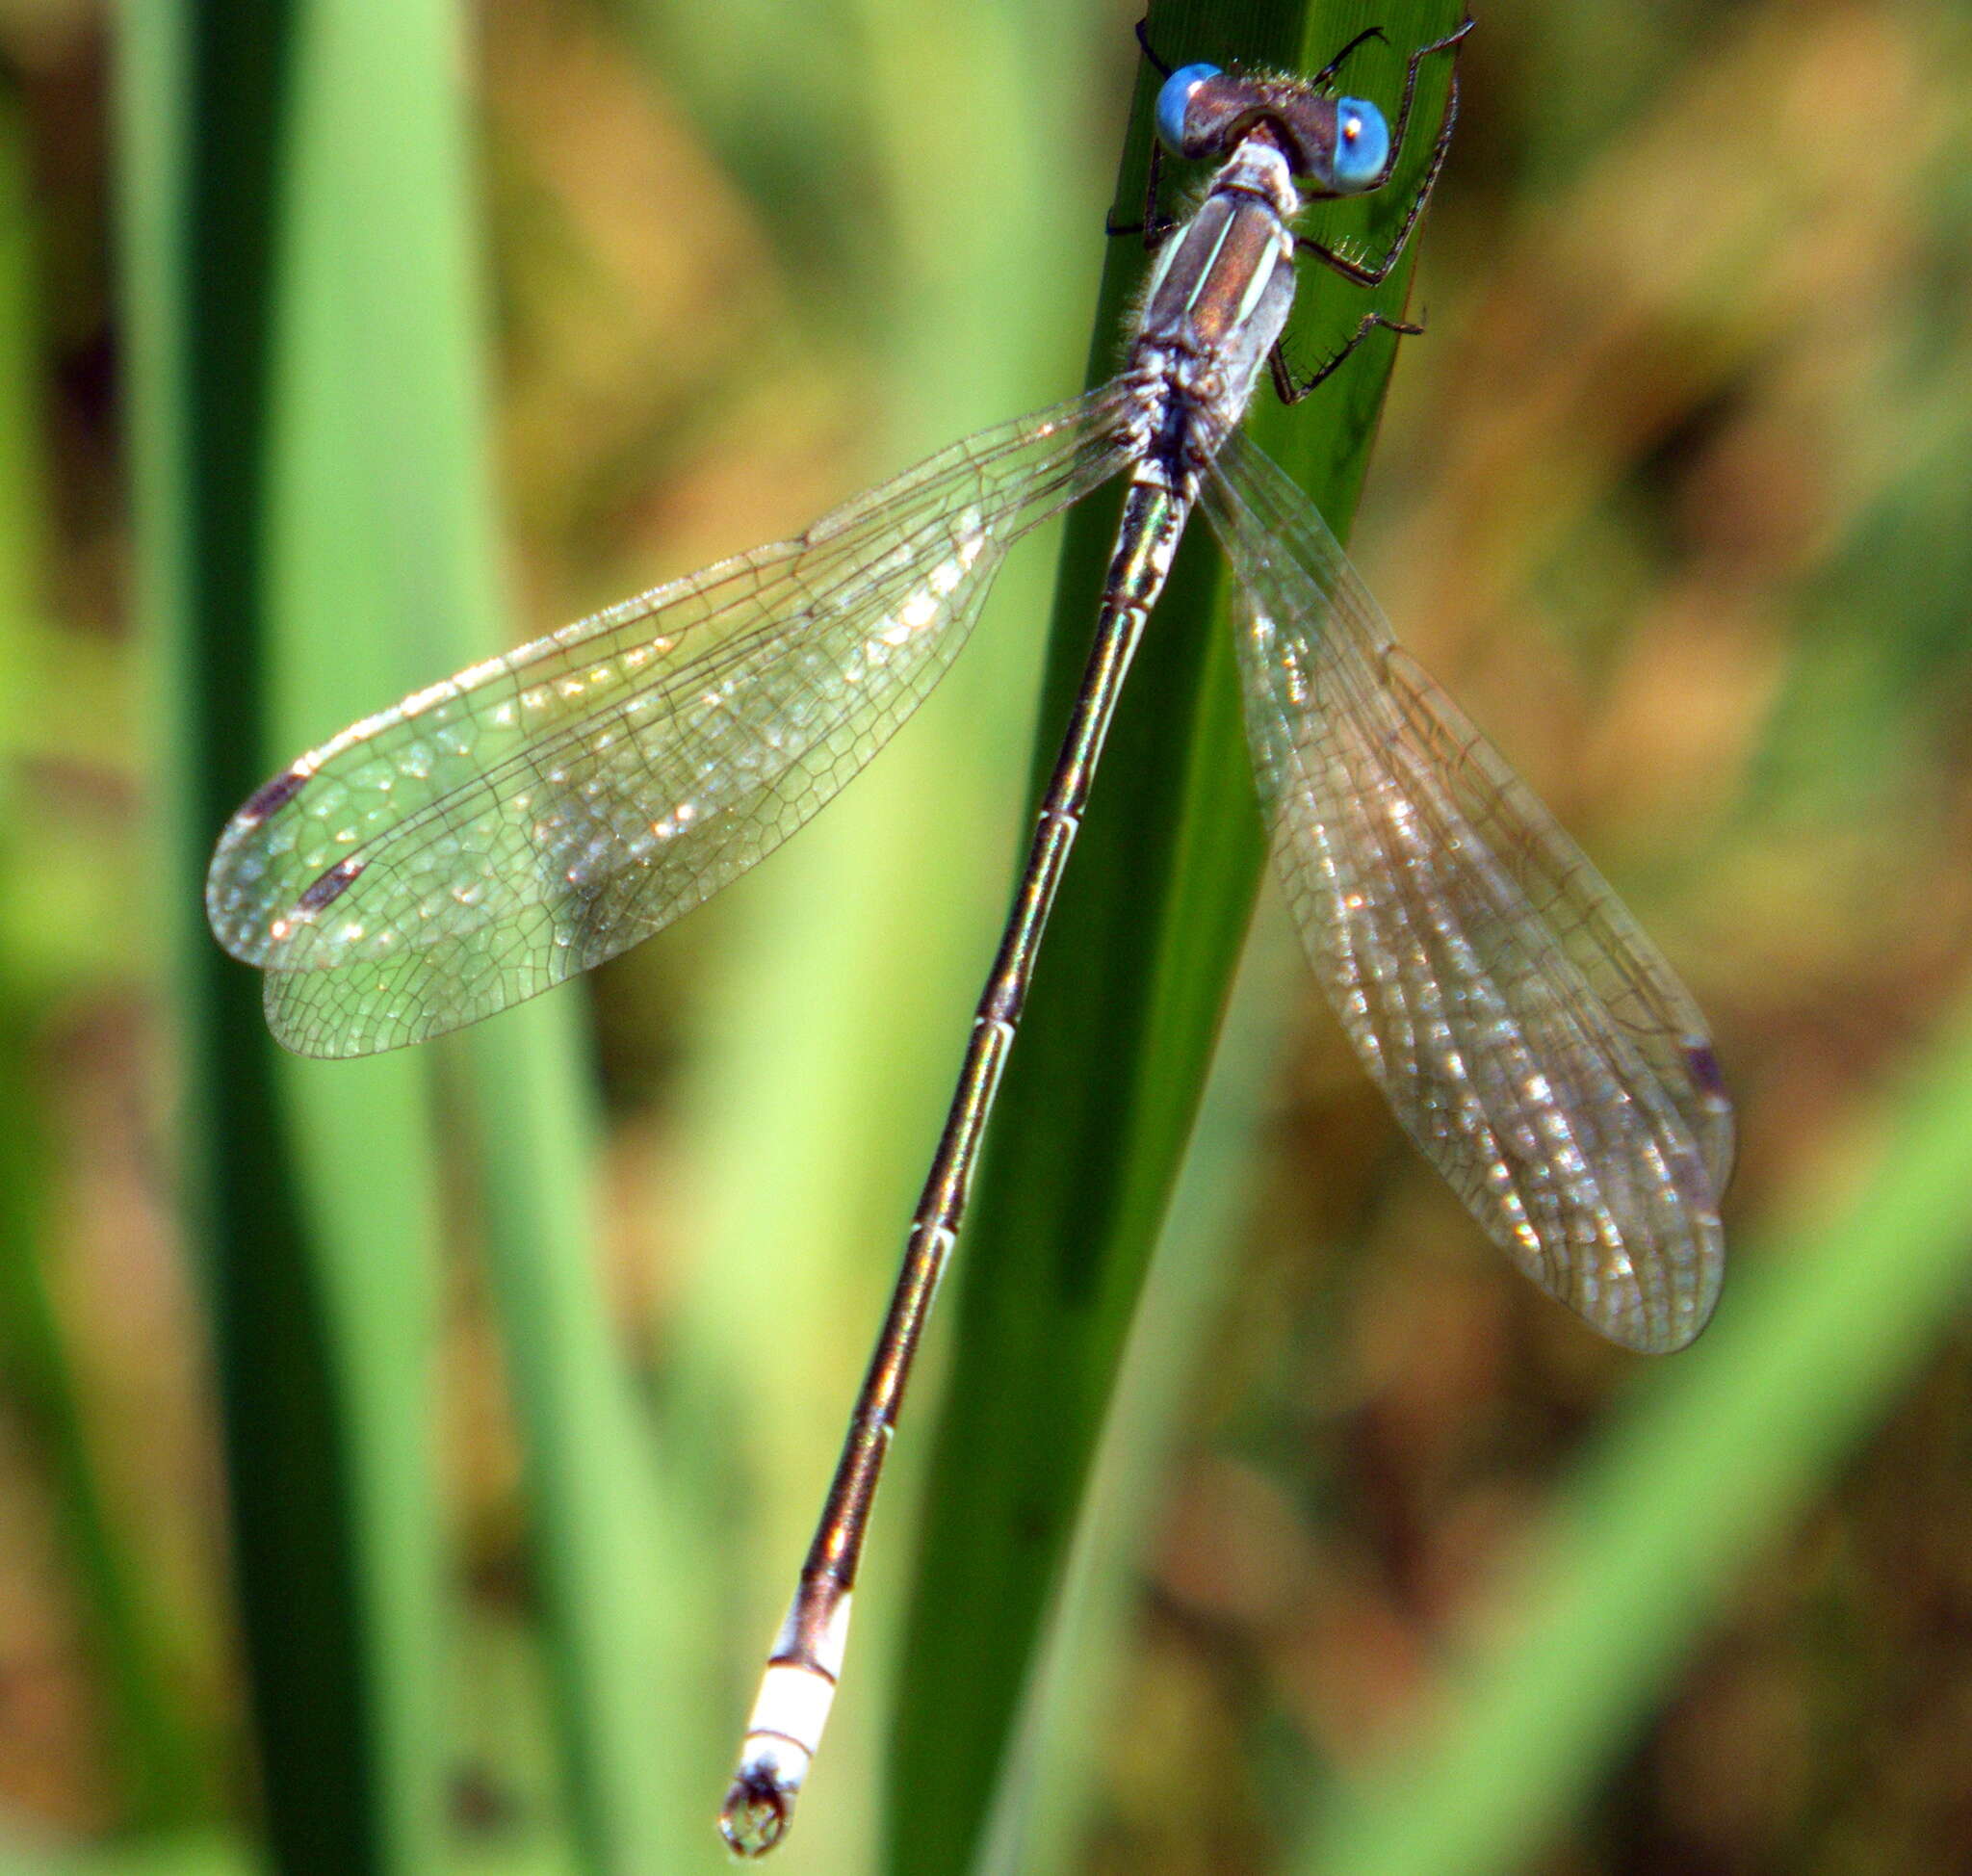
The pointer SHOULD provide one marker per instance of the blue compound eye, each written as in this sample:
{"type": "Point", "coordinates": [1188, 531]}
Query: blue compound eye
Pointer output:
{"type": "Point", "coordinates": [1363, 145]}
{"type": "Point", "coordinates": [1173, 101]}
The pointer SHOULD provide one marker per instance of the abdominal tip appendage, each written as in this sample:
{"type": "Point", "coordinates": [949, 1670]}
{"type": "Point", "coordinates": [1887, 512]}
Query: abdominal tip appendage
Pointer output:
{"type": "Point", "coordinates": [755, 1818]}
{"type": "Point", "coordinates": [761, 1805]}
{"type": "Point", "coordinates": [789, 1715]}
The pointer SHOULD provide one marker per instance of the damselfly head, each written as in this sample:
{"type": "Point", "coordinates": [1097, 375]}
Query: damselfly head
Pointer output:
{"type": "Point", "coordinates": [1340, 144]}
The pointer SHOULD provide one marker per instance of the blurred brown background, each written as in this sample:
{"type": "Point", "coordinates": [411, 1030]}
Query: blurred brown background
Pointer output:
{"type": "Point", "coordinates": [1672, 497]}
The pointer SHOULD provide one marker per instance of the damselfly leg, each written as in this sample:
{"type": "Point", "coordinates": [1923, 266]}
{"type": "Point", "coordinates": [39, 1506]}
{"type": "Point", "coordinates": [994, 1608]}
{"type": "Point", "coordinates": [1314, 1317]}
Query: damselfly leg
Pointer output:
{"type": "Point", "coordinates": [1291, 390]}
{"type": "Point", "coordinates": [1373, 274]}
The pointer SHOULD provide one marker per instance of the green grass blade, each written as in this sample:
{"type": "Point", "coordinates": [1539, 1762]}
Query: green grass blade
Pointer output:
{"type": "Point", "coordinates": [288, 174]}
{"type": "Point", "coordinates": [1104, 1084]}
{"type": "Point", "coordinates": [1041, 1809]}
{"type": "Point", "coordinates": [610, 1595]}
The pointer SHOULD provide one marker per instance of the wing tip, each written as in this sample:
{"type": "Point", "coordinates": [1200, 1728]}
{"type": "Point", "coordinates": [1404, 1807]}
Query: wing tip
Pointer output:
{"type": "Point", "coordinates": [1662, 1317]}
{"type": "Point", "coordinates": [304, 1028]}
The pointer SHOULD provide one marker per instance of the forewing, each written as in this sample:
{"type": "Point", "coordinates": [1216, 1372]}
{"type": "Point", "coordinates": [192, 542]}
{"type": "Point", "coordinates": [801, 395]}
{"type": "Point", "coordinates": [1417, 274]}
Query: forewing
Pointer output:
{"type": "Point", "coordinates": [538, 813]}
{"type": "Point", "coordinates": [1530, 1038]}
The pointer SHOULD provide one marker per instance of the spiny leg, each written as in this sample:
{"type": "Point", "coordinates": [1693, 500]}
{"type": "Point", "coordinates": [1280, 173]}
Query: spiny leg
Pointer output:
{"type": "Point", "coordinates": [1415, 59]}
{"type": "Point", "coordinates": [1373, 274]}
{"type": "Point", "coordinates": [1334, 64]}
{"type": "Point", "coordinates": [1156, 225]}
{"type": "Point", "coordinates": [1291, 390]}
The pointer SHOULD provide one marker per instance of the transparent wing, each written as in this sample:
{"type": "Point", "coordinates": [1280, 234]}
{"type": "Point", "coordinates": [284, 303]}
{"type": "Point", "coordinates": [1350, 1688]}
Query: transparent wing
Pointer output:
{"type": "Point", "coordinates": [1528, 1035]}
{"type": "Point", "coordinates": [538, 813]}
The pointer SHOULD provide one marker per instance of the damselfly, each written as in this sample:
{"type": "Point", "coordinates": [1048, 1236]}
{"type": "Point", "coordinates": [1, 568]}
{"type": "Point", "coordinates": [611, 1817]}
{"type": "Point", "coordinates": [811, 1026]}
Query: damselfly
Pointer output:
{"type": "Point", "coordinates": [517, 823]}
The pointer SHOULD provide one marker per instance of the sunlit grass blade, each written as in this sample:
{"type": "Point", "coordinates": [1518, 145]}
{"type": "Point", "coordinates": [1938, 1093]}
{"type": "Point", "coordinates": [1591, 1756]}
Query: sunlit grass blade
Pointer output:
{"type": "Point", "coordinates": [1103, 1087]}
{"type": "Point", "coordinates": [615, 1614]}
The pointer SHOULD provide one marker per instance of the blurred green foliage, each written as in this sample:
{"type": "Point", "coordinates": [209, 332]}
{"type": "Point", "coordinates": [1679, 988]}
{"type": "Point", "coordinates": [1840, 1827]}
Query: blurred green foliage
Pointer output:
{"type": "Point", "coordinates": [405, 1462]}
